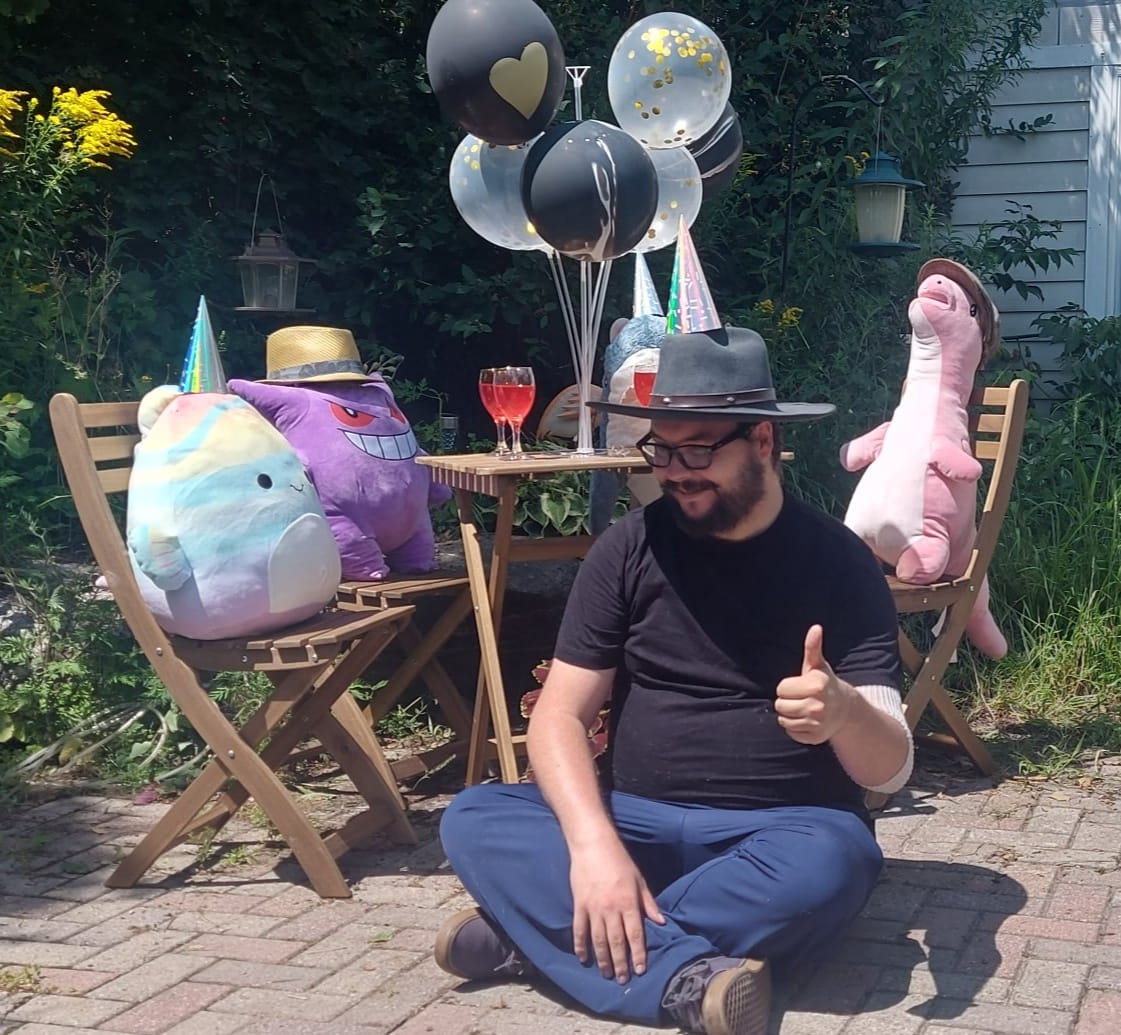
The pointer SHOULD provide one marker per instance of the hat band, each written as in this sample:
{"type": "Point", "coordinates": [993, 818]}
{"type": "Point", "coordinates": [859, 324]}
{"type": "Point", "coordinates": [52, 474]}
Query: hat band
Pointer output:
{"type": "Point", "coordinates": [687, 402]}
{"type": "Point", "coordinates": [325, 366]}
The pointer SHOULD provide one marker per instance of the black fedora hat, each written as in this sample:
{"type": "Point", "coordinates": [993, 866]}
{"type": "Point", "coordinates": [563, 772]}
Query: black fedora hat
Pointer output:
{"type": "Point", "coordinates": [721, 374]}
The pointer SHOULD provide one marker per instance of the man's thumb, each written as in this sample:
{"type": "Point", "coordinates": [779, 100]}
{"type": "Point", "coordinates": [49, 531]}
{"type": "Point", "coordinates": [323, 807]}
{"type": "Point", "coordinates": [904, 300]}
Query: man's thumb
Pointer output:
{"type": "Point", "coordinates": [813, 658]}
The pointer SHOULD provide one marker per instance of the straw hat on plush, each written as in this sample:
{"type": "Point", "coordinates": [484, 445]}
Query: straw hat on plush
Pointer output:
{"type": "Point", "coordinates": [988, 316]}
{"type": "Point", "coordinates": [312, 354]}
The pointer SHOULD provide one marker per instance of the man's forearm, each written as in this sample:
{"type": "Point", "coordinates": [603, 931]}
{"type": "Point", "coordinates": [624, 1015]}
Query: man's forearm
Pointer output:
{"type": "Point", "coordinates": [874, 745]}
{"type": "Point", "coordinates": [561, 756]}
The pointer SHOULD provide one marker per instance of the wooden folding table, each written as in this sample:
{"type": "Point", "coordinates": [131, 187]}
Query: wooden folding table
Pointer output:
{"type": "Point", "coordinates": [489, 475]}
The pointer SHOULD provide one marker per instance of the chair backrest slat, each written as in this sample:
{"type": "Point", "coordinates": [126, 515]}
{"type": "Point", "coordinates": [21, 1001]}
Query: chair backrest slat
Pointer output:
{"type": "Point", "coordinates": [89, 487]}
{"type": "Point", "coordinates": [112, 447]}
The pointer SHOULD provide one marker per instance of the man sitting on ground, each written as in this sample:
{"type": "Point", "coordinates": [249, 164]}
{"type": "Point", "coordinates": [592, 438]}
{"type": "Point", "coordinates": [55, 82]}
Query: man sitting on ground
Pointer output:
{"type": "Point", "coordinates": [747, 643]}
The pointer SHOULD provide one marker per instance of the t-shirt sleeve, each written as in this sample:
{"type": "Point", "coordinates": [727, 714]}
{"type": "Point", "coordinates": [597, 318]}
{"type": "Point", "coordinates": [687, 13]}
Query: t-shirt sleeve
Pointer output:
{"type": "Point", "coordinates": [594, 627]}
{"type": "Point", "coordinates": [865, 637]}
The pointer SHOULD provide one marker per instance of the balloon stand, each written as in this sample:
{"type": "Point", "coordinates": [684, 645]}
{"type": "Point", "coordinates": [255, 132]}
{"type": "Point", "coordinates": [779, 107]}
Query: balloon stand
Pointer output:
{"type": "Point", "coordinates": [582, 331]}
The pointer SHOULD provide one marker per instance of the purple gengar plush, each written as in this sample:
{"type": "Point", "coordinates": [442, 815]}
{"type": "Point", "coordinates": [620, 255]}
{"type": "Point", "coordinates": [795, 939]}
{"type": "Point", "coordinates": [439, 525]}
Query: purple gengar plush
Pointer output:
{"type": "Point", "coordinates": [360, 453]}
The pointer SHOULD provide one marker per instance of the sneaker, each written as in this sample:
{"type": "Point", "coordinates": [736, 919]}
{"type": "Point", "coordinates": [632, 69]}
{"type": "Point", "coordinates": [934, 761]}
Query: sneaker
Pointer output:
{"type": "Point", "coordinates": [721, 995]}
{"type": "Point", "coordinates": [470, 947]}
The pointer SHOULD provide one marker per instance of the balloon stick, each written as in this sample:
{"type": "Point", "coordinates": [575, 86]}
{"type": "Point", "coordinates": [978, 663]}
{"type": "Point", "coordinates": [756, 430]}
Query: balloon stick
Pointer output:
{"type": "Point", "coordinates": [576, 73]}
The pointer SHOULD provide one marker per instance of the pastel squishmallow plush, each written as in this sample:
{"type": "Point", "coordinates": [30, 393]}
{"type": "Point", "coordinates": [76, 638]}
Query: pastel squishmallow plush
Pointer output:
{"type": "Point", "coordinates": [357, 446]}
{"type": "Point", "coordinates": [225, 532]}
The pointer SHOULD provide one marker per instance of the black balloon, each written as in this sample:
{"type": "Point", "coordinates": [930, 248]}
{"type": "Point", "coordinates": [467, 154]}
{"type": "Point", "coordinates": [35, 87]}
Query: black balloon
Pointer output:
{"type": "Point", "coordinates": [496, 67]}
{"type": "Point", "coordinates": [589, 189]}
{"type": "Point", "coordinates": [718, 153]}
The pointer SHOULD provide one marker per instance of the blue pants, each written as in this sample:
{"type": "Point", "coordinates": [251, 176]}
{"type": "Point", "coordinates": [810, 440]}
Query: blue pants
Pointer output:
{"type": "Point", "coordinates": [780, 884]}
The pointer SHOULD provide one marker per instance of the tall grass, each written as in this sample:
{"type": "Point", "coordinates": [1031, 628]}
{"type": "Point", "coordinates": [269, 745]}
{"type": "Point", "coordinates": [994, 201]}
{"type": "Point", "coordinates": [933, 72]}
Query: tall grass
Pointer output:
{"type": "Point", "coordinates": [1056, 582]}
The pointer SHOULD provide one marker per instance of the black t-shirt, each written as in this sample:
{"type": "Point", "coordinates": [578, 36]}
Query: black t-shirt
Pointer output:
{"type": "Point", "coordinates": [701, 631]}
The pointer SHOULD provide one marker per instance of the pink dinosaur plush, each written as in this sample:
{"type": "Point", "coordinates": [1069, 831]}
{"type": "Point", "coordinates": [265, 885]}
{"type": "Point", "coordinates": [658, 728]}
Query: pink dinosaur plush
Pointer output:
{"type": "Point", "coordinates": [916, 503]}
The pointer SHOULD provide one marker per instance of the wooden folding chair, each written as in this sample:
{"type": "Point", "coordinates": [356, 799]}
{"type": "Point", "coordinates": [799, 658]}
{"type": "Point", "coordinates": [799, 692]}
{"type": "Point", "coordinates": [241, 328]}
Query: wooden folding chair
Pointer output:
{"type": "Point", "coordinates": [997, 430]}
{"type": "Point", "coordinates": [311, 665]}
{"type": "Point", "coordinates": [420, 656]}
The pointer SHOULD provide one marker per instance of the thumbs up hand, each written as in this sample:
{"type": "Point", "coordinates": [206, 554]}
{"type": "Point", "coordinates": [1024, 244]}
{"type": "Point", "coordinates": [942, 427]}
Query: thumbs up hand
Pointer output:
{"type": "Point", "coordinates": [814, 705]}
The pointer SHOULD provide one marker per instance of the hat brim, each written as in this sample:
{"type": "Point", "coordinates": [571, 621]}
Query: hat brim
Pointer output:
{"type": "Point", "coordinates": [315, 377]}
{"type": "Point", "coordinates": [971, 284]}
{"type": "Point", "coordinates": [779, 412]}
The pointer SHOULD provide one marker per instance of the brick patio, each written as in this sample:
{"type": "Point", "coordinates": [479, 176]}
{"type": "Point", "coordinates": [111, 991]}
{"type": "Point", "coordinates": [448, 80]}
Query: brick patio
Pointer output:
{"type": "Point", "coordinates": [999, 913]}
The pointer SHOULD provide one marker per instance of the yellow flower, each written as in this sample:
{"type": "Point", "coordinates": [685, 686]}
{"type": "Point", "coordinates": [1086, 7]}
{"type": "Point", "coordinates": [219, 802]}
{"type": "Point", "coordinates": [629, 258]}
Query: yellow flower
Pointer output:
{"type": "Point", "coordinates": [765, 305]}
{"type": "Point", "coordinates": [791, 316]}
{"type": "Point", "coordinates": [10, 104]}
{"type": "Point", "coordinates": [95, 131]}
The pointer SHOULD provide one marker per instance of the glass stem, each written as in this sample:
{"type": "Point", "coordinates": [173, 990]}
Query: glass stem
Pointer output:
{"type": "Point", "coordinates": [516, 435]}
{"type": "Point", "coordinates": [500, 428]}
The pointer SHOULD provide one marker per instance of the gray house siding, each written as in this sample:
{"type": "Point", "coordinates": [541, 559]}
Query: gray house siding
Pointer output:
{"type": "Point", "coordinates": [1068, 171]}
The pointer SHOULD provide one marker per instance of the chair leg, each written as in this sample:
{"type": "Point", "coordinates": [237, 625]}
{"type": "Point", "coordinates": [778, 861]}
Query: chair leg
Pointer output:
{"type": "Point", "coordinates": [370, 774]}
{"type": "Point", "coordinates": [927, 689]}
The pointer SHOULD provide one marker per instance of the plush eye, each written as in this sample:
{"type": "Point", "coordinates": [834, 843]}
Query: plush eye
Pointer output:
{"type": "Point", "coordinates": [349, 418]}
{"type": "Point", "coordinates": [264, 481]}
{"type": "Point", "coordinates": [973, 309]}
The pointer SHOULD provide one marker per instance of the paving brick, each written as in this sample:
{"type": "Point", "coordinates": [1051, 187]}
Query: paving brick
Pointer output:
{"type": "Point", "coordinates": [169, 1007]}
{"type": "Point", "coordinates": [423, 897]}
{"type": "Point", "coordinates": [225, 923]}
{"type": "Point", "coordinates": [35, 1028]}
{"type": "Point", "coordinates": [1090, 836]}
{"type": "Point", "coordinates": [1001, 1017]}
{"type": "Point", "coordinates": [509, 1022]}
{"type": "Point", "coordinates": [1050, 983]}
{"type": "Point", "coordinates": [43, 954]}
{"type": "Point", "coordinates": [396, 1001]}
{"type": "Point", "coordinates": [152, 978]}
{"type": "Point", "coordinates": [1078, 902]}
{"type": "Point", "coordinates": [279, 976]}
{"type": "Point", "coordinates": [277, 1005]}
{"type": "Point", "coordinates": [994, 953]}
{"type": "Point", "coordinates": [1048, 927]}
{"type": "Point", "coordinates": [342, 946]}
{"type": "Point", "coordinates": [887, 1015]}
{"type": "Point", "coordinates": [1072, 952]}
{"type": "Point", "coordinates": [12, 906]}
{"type": "Point", "coordinates": [63, 981]}
{"type": "Point", "coordinates": [291, 902]}
{"type": "Point", "coordinates": [38, 930]}
{"type": "Point", "coordinates": [209, 901]}
{"type": "Point", "coordinates": [234, 947]}
{"type": "Point", "coordinates": [1100, 1013]}
{"type": "Point", "coordinates": [139, 949]}
{"type": "Point", "coordinates": [318, 922]}
{"type": "Point", "coordinates": [368, 973]}
{"type": "Point", "coordinates": [949, 985]}
{"type": "Point", "coordinates": [66, 1009]}
{"type": "Point", "coordinates": [839, 987]}
{"type": "Point", "coordinates": [1105, 977]}
{"type": "Point", "coordinates": [207, 1022]}
{"type": "Point", "coordinates": [944, 927]}
{"type": "Point", "coordinates": [440, 1019]}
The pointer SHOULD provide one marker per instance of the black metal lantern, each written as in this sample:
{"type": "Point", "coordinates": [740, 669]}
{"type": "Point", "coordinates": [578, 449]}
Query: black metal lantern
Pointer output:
{"type": "Point", "coordinates": [270, 270]}
{"type": "Point", "coordinates": [270, 276]}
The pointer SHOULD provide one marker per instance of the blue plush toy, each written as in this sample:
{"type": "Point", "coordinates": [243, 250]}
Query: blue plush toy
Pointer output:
{"type": "Point", "coordinates": [634, 345]}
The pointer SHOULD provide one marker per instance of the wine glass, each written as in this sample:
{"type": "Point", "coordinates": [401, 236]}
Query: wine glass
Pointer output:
{"type": "Point", "coordinates": [514, 389]}
{"type": "Point", "coordinates": [490, 402]}
{"type": "Point", "coordinates": [643, 374]}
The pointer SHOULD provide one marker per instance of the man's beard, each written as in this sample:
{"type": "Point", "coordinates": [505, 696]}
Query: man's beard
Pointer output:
{"type": "Point", "coordinates": [731, 506]}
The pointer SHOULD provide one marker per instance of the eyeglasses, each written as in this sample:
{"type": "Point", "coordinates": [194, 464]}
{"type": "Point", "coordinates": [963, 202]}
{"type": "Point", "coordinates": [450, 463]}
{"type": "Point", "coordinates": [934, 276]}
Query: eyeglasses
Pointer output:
{"type": "Point", "coordinates": [693, 457]}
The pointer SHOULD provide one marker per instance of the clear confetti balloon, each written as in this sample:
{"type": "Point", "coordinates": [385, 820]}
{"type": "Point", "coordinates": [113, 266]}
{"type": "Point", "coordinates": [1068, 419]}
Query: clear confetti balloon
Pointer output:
{"type": "Point", "coordinates": [668, 80]}
{"type": "Point", "coordinates": [680, 190]}
{"type": "Point", "coordinates": [486, 186]}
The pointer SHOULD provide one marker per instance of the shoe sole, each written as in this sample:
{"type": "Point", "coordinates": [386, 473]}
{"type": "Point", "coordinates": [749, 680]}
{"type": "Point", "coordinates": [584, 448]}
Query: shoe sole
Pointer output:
{"type": "Point", "coordinates": [444, 940]}
{"type": "Point", "coordinates": [738, 1001]}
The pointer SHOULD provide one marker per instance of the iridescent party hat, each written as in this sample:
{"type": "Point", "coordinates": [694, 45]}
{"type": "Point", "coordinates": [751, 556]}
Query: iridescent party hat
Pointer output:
{"type": "Point", "coordinates": [691, 308]}
{"type": "Point", "coordinates": [202, 372]}
{"type": "Point", "coordinates": [646, 300]}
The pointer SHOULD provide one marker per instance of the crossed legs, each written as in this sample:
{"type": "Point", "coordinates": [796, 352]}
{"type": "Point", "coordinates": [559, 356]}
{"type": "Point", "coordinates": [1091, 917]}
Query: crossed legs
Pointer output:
{"type": "Point", "coordinates": [780, 884]}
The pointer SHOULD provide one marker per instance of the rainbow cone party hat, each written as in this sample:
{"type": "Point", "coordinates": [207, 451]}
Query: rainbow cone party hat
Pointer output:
{"type": "Point", "coordinates": [691, 308]}
{"type": "Point", "coordinates": [202, 371]}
